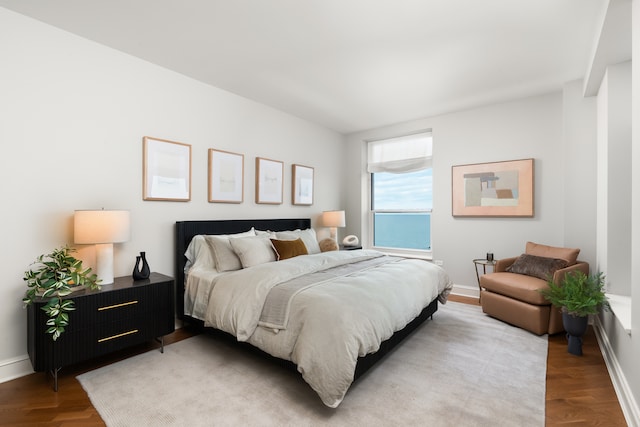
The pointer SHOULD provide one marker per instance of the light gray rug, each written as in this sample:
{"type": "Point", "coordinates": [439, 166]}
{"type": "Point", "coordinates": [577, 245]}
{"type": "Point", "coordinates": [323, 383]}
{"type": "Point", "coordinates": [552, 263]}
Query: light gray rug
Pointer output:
{"type": "Point", "coordinates": [460, 369]}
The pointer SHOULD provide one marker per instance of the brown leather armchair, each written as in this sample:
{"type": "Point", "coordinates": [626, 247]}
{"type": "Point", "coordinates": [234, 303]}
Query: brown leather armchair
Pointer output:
{"type": "Point", "coordinates": [512, 292]}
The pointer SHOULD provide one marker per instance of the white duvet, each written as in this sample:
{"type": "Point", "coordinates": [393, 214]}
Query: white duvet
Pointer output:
{"type": "Point", "coordinates": [330, 325]}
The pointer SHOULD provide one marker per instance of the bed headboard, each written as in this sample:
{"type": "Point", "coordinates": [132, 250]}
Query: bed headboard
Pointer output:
{"type": "Point", "coordinates": [186, 230]}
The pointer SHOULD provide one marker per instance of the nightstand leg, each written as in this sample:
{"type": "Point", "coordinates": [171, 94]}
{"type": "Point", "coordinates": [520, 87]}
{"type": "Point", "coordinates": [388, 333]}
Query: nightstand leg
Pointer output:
{"type": "Point", "coordinates": [161, 341]}
{"type": "Point", "coordinates": [54, 374]}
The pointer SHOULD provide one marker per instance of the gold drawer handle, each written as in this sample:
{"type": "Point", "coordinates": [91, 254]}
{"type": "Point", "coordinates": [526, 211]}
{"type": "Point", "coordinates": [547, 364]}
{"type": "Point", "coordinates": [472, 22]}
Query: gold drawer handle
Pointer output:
{"type": "Point", "coordinates": [109, 307]}
{"type": "Point", "coordinates": [135, 331]}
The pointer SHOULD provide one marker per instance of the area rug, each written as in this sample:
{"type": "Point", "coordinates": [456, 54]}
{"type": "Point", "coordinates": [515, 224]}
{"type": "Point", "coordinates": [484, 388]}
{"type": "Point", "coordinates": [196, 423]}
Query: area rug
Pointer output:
{"type": "Point", "coordinates": [462, 368]}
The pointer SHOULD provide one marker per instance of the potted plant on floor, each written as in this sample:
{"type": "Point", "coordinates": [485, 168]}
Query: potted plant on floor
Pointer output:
{"type": "Point", "coordinates": [578, 295]}
{"type": "Point", "coordinates": [52, 277]}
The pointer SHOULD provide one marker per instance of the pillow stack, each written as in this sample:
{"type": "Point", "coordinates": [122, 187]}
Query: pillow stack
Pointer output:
{"type": "Point", "coordinates": [232, 252]}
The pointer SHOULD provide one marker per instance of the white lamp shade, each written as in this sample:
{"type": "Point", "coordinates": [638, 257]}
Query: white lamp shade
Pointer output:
{"type": "Point", "coordinates": [101, 226]}
{"type": "Point", "coordinates": [333, 219]}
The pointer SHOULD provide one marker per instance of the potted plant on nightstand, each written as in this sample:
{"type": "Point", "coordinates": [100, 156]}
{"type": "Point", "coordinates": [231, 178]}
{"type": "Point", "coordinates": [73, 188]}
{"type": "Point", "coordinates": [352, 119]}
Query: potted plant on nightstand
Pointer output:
{"type": "Point", "coordinates": [55, 276]}
{"type": "Point", "coordinates": [578, 295]}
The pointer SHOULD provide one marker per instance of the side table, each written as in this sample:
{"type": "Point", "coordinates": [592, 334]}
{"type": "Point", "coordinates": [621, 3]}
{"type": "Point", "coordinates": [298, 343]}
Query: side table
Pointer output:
{"type": "Point", "coordinates": [482, 262]}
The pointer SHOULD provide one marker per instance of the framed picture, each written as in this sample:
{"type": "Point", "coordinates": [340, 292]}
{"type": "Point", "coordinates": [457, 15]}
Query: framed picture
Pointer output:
{"type": "Point", "coordinates": [166, 170]}
{"type": "Point", "coordinates": [269, 185]}
{"type": "Point", "coordinates": [226, 177]}
{"type": "Point", "coordinates": [493, 189]}
{"type": "Point", "coordinates": [301, 185]}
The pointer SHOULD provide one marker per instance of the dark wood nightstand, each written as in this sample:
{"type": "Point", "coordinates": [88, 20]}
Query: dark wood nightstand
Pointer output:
{"type": "Point", "coordinates": [119, 315]}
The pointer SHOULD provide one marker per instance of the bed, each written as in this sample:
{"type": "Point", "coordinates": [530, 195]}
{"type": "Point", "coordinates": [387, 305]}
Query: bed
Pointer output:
{"type": "Point", "coordinates": [333, 314]}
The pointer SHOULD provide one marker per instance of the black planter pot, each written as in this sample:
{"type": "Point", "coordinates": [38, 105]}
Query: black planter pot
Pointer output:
{"type": "Point", "coordinates": [576, 326]}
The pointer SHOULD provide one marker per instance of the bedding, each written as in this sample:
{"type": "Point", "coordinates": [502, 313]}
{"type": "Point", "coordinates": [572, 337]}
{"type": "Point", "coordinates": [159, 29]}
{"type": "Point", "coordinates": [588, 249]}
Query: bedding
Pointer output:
{"type": "Point", "coordinates": [337, 306]}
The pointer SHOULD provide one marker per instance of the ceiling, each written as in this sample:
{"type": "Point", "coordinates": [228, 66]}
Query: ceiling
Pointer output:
{"type": "Point", "coordinates": [349, 65]}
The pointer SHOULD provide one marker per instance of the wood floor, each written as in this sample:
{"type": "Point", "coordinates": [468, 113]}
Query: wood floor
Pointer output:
{"type": "Point", "coordinates": [579, 390]}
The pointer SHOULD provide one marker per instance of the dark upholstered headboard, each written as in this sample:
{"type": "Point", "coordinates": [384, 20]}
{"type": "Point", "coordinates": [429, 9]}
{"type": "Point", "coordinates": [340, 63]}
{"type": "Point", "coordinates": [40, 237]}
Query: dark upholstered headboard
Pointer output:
{"type": "Point", "coordinates": [186, 230]}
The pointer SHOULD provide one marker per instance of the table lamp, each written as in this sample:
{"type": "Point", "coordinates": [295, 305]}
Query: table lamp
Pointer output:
{"type": "Point", "coordinates": [333, 220]}
{"type": "Point", "coordinates": [101, 228]}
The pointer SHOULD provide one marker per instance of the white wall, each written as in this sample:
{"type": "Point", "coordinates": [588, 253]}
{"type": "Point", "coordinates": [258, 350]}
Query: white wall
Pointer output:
{"type": "Point", "coordinates": [579, 165]}
{"type": "Point", "coordinates": [73, 114]}
{"type": "Point", "coordinates": [527, 128]}
{"type": "Point", "coordinates": [622, 349]}
{"type": "Point", "coordinates": [614, 178]}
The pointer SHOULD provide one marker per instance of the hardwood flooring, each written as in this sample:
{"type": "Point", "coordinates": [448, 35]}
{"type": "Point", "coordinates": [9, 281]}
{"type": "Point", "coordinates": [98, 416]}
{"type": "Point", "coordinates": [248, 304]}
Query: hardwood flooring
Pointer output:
{"type": "Point", "coordinates": [579, 390]}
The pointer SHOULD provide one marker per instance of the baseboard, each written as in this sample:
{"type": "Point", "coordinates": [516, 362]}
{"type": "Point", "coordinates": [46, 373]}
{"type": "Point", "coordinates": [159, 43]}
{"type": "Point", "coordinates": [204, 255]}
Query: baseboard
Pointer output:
{"type": "Point", "coordinates": [11, 369]}
{"type": "Point", "coordinates": [465, 291]}
{"type": "Point", "coordinates": [625, 396]}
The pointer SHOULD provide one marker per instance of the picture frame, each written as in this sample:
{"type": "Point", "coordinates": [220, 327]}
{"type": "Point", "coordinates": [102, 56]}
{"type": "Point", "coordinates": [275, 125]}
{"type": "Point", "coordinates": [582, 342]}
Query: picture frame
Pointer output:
{"type": "Point", "coordinates": [269, 181]}
{"type": "Point", "coordinates": [301, 185]}
{"type": "Point", "coordinates": [166, 170]}
{"type": "Point", "coordinates": [226, 177]}
{"type": "Point", "coordinates": [497, 189]}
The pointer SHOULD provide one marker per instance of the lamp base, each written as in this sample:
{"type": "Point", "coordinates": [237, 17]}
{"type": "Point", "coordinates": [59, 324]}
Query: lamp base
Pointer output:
{"type": "Point", "coordinates": [104, 263]}
{"type": "Point", "coordinates": [333, 233]}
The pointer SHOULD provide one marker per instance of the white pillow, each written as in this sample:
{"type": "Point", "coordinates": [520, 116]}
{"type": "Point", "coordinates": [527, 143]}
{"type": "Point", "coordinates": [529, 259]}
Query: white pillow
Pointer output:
{"type": "Point", "coordinates": [308, 236]}
{"type": "Point", "coordinates": [198, 254]}
{"type": "Point", "coordinates": [222, 253]}
{"type": "Point", "coordinates": [253, 250]}
{"type": "Point", "coordinates": [267, 233]}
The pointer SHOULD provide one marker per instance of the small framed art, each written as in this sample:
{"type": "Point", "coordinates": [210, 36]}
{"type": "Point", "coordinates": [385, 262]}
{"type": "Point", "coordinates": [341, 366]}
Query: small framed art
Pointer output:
{"type": "Point", "coordinates": [226, 177]}
{"type": "Point", "coordinates": [301, 185]}
{"type": "Point", "coordinates": [269, 183]}
{"type": "Point", "coordinates": [498, 189]}
{"type": "Point", "coordinates": [166, 170]}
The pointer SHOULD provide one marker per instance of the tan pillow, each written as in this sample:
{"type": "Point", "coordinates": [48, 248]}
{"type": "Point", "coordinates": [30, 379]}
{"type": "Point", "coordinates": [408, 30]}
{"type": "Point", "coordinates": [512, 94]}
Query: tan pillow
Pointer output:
{"type": "Point", "coordinates": [568, 254]}
{"type": "Point", "coordinates": [327, 245]}
{"type": "Point", "coordinates": [289, 248]}
{"type": "Point", "coordinates": [308, 236]}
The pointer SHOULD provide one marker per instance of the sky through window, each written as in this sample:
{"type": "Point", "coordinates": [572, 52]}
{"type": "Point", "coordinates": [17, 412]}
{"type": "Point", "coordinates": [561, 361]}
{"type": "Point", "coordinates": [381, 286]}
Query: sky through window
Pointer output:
{"type": "Point", "coordinates": [412, 190]}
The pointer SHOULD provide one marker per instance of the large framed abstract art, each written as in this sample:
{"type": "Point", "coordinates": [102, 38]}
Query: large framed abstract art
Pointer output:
{"type": "Point", "coordinates": [498, 189]}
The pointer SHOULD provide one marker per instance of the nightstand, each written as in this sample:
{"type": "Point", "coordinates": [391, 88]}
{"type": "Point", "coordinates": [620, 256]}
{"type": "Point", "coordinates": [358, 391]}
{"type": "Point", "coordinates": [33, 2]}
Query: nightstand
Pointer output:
{"type": "Point", "coordinates": [119, 315]}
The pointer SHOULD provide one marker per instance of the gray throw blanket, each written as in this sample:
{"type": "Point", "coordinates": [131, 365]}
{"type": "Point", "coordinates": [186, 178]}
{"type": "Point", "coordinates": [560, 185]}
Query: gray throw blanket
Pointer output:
{"type": "Point", "coordinates": [275, 312]}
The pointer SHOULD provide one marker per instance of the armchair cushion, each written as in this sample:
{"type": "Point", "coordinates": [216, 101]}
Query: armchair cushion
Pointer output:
{"type": "Point", "coordinates": [517, 286]}
{"type": "Point", "coordinates": [568, 254]}
{"type": "Point", "coordinates": [537, 266]}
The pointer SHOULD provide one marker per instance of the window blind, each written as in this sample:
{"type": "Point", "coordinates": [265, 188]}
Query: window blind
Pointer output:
{"type": "Point", "coordinates": [407, 153]}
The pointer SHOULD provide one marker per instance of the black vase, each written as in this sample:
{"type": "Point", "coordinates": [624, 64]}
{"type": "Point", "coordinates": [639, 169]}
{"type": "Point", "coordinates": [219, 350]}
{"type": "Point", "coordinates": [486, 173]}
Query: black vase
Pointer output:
{"type": "Point", "coordinates": [141, 272]}
{"type": "Point", "coordinates": [576, 326]}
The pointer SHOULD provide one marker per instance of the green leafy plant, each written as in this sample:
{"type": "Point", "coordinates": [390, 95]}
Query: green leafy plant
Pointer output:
{"type": "Point", "coordinates": [52, 277]}
{"type": "Point", "coordinates": [578, 294]}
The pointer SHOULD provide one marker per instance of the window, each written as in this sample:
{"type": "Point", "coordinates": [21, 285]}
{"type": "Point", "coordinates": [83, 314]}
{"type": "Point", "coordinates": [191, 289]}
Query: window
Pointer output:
{"type": "Point", "coordinates": [401, 192]}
